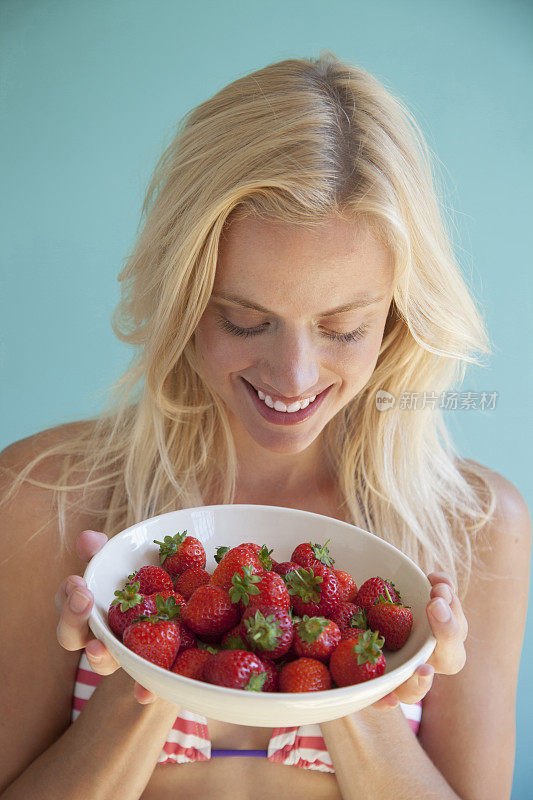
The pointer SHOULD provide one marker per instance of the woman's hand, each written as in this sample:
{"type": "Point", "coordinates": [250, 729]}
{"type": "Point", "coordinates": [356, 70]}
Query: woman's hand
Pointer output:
{"type": "Point", "coordinates": [73, 602]}
{"type": "Point", "coordinates": [449, 655]}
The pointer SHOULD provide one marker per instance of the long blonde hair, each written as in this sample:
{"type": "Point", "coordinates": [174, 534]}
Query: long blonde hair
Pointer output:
{"type": "Point", "coordinates": [299, 140]}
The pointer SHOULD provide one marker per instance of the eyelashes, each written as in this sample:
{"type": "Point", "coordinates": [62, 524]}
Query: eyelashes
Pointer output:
{"type": "Point", "coordinates": [351, 336]}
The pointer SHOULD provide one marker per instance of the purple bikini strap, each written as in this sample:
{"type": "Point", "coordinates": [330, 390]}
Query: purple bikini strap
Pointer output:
{"type": "Point", "coordinates": [257, 753]}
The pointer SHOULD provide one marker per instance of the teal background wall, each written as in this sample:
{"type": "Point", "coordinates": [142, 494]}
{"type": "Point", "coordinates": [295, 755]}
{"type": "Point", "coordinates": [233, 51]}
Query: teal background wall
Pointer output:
{"type": "Point", "coordinates": [90, 93]}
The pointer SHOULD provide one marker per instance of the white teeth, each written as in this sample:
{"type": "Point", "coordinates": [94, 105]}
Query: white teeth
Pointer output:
{"type": "Point", "coordinates": [279, 406]}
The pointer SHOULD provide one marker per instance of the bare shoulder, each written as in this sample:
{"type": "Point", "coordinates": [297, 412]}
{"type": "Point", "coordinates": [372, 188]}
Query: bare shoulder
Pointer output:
{"type": "Point", "coordinates": [45, 453]}
{"type": "Point", "coordinates": [511, 522]}
{"type": "Point", "coordinates": [475, 751]}
{"type": "Point", "coordinates": [39, 673]}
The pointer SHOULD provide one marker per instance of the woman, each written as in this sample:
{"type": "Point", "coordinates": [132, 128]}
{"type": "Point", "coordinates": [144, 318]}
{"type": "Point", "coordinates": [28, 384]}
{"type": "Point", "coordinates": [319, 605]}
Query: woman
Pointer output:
{"type": "Point", "coordinates": [292, 252]}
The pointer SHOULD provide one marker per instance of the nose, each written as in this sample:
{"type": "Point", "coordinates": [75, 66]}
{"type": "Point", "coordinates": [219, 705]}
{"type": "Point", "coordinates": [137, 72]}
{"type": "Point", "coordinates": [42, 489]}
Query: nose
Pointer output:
{"type": "Point", "coordinates": [291, 368]}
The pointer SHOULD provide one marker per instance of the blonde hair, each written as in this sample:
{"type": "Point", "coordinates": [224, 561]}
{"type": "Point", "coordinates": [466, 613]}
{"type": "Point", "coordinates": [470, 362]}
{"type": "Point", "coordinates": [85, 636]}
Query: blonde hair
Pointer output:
{"type": "Point", "coordinates": [299, 140]}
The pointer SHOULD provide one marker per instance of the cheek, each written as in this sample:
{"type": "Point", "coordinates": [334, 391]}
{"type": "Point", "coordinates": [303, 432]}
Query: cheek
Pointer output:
{"type": "Point", "coordinates": [216, 352]}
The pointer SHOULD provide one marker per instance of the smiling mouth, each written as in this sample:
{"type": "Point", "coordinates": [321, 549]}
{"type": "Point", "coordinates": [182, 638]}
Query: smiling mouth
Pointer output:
{"type": "Point", "coordinates": [286, 402]}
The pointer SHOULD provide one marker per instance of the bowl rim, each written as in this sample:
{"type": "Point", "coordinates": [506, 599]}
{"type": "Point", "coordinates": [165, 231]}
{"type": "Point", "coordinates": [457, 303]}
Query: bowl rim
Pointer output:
{"type": "Point", "coordinates": [101, 628]}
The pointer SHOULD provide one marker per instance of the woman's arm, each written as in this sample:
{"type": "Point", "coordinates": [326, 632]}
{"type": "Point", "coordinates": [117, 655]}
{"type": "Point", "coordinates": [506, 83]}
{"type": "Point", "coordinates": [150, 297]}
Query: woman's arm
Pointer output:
{"type": "Point", "coordinates": [109, 752]}
{"type": "Point", "coordinates": [466, 742]}
{"type": "Point", "coordinates": [376, 754]}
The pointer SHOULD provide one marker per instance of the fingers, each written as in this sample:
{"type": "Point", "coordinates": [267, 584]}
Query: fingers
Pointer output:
{"type": "Point", "coordinates": [417, 686]}
{"type": "Point", "coordinates": [448, 624]}
{"type": "Point", "coordinates": [412, 690]}
{"type": "Point", "coordinates": [89, 543]}
{"type": "Point", "coordinates": [100, 658]}
{"type": "Point", "coordinates": [74, 603]}
{"type": "Point", "coordinates": [142, 695]}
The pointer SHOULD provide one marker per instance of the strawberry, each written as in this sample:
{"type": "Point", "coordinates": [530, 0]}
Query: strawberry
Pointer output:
{"type": "Point", "coordinates": [268, 630]}
{"type": "Point", "coordinates": [316, 637]}
{"type": "Point", "coordinates": [180, 552]}
{"type": "Point", "coordinates": [155, 637]}
{"type": "Point", "coordinates": [392, 620]}
{"type": "Point", "coordinates": [348, 585]}
{"type": "Point", "coordinates": [166, 593]}
{"type": "Point", "coordinates": [308, 554]}
{"type": "Point", "coordinates": [235, 639]}
{"type": "Point", "coordinates": [210, 612]}
{"type": "Point", "coordinates": [151, 579]}
{"type": "Point", "coordinates": [190, 580]}
{"type": "Point", "coordinates": [126, 606]}
{"type": "Point", "coordinates": [285, 567]}
{"type": "Point", "coordinates": [187, 637]}
{"type": "Point", "coordinates": [350, 633]}
{"type": "Point", "coordinates": [266, 588]}
{"type": "Point", "coordinates": [314, 591]}
{"type": "Point", "coordinates": [234, 562]}
{"type": "Point", "coordinates": [237, 669]}
{"type": "Point", "coordinates": [370, 590]}
{"type": "Point", "coordinates": [304, 675]}
{"type": "Point", "coordinates": [349, 615]}
{"type": "Point", "coordinates": [355, 661]}
{"type": "Point", "coordinates": [191, 663]}
{"type": "Point", "coordinates": [272, 682]}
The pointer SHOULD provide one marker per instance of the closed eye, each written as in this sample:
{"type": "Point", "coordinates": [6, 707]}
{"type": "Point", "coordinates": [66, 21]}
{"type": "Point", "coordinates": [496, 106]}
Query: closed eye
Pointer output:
{"type": "Point", "coordinates": [350, 336]}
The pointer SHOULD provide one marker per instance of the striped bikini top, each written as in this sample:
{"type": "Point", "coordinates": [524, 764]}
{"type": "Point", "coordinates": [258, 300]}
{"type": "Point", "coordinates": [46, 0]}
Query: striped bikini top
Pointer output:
{"type": "Point", "coordinates": [188, 740]}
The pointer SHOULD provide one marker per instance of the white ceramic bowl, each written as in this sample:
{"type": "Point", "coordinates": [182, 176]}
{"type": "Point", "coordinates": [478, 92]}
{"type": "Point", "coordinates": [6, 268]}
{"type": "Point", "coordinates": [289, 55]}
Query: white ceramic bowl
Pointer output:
{"type": "Point", "coordinates": [354, 550]}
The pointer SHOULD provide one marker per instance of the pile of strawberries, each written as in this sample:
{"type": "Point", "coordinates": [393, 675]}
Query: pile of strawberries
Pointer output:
{"type": "Point", "coordinates": [256, 624]}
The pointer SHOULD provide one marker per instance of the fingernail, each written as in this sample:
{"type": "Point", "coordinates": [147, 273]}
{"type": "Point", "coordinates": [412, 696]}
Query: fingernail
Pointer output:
{"type": "Point", "coordinates": [440, 610]}
{"type": "Point", "coordinates": [78, 602]}
{"type": "Point", "coordinates": [93, 656]}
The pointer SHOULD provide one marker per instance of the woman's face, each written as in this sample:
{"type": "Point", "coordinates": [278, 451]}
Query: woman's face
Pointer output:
{"type": "Point", "coordinates": [293, 344]}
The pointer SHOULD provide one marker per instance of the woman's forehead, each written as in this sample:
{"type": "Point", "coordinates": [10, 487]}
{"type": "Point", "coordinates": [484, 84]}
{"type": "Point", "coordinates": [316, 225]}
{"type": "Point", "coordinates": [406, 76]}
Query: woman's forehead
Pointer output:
{"type": "Point", "coordinates": [334, 256]}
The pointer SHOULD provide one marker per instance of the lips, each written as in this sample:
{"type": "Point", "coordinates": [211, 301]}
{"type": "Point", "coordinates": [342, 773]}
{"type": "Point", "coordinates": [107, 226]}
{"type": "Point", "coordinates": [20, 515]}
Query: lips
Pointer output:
{"type": "Point", "coordinates": [281, 418]}
{"type": "Point", "coordinates": [283, 400]}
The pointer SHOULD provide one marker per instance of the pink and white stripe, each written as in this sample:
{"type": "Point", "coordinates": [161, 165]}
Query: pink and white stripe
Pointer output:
{"type": "Point", "coordinates": [188, 740]}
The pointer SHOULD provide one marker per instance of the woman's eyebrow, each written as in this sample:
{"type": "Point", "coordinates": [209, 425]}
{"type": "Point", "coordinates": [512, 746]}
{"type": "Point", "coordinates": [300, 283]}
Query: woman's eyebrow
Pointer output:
{"type": "Point", "coordinates": [361, 300]}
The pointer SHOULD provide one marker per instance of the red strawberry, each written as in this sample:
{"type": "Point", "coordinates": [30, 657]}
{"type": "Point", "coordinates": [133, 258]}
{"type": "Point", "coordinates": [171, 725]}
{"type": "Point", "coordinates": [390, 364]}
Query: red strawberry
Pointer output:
{"type": "Point", "coordinates": [392, 620]}
{"type": "Point", "coordinates": [285, 567]}
{"type": "Point", "coordinates": [314, 591]}
{"type": "Point", "coordinates": [210, 612]}
{"type": "Point", "coordinates": [191, 663]}
{"type": "Point", "coordinates": [151, 579]}
{"type": "Point", "coordinates": [371, 589]}
{"type": "Point", "coordinates": [126, 606]}
{"type": "Point", "coordinates": [237, 669]}
{"type": "Point", "coordinates": [348, 585]}
{"type": "Point", "coordinates": [234, 562]}
{"type": "Point", "coordinates": [187, 637]}
{"type": "Point", "coordinates": [155, 638]}
{"type": "Point", "coordinates": [350, 633]}
{"type": "Point", "coordinates": [235, 639]}
{"type": "Point", "coordinates": [166, 593]}
{"type": "Point", "coordinates": [180, 552]}
{"type": "Point", "coordinates": [308, 554]}
{"type": "Point", "coordinates": [272, 682]}
{"type": "Point", "coordinates": [266, 588]}
{"type": "Point", "coordinates": [349, 615]}
{"type": "Point", "coordinates": [190, 580]}
{"type": "Point", "coordinates": [355, 661]}
{"type": "Point", "coordinates": [316, 637]}
{"type": "Point", "coordinates": [268, 630]}
{"type": "Point", "coordinates": [304, 675]}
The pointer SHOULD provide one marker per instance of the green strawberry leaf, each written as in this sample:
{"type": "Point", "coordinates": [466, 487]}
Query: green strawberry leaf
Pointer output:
{"type": "Point", "coordinates": [256, 682]}
{"type": "Point", "coordinates": [221, 552]}
{"type": "Point", "coordinates": [170, 545]}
